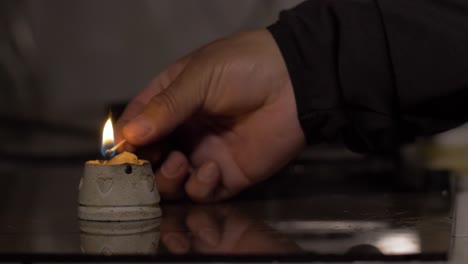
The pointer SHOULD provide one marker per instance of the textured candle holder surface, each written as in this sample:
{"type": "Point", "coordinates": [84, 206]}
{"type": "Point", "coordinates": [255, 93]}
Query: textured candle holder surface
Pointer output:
{"type": "Point", "coordinates": [122, 192]}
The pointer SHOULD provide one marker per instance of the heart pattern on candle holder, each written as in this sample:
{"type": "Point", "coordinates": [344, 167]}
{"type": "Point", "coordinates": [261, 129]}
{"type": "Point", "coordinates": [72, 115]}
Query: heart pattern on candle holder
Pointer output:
{"type": "Point", "coordinates": [104, 184]}
{"type": "Point", "coordinates": [106, 251]}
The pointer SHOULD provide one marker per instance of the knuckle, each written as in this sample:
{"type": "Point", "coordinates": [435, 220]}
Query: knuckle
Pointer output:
{"type": "Point", "coordinates": [165, 101]}
{"type": "Point", "coordinates": [163, 80]}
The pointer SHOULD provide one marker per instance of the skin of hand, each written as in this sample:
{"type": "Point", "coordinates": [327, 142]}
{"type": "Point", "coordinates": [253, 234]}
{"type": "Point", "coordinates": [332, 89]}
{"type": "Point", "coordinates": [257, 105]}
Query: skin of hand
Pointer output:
{"type": "Point", "coordinates": [230, 111]}
{"type": "Point", "coordinates": [220, 229]}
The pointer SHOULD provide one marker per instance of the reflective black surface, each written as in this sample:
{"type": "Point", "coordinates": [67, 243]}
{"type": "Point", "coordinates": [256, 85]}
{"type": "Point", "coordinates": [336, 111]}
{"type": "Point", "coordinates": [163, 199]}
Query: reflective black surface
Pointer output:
{"type": "Point", "coordinates": [328, 213]}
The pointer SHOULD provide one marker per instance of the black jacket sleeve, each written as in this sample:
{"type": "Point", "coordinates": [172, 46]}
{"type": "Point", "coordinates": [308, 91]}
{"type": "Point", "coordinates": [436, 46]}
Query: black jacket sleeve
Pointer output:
{"type": "Point", "coordinates": [376, 73]}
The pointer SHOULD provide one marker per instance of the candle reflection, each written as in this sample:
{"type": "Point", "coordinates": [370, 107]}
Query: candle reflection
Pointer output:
{"type": "Point", "coordinates": [119, 238]}
{"type": "Point", "coordinates": [227, 230]}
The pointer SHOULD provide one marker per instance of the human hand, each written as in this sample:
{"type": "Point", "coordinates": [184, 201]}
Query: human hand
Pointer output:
{"type": "Point", "coordinates": [231, 109]}
{"type": "Point", "coordinates": [220, 229]}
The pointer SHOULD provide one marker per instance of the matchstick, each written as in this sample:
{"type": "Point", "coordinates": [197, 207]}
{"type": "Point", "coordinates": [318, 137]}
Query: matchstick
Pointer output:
{"type": "Point", "coordinates": [114, 148]}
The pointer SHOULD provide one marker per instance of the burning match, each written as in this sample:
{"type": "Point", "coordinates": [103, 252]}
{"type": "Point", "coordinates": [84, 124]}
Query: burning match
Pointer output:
{"type": "Point", "coordinates": [114, 148]}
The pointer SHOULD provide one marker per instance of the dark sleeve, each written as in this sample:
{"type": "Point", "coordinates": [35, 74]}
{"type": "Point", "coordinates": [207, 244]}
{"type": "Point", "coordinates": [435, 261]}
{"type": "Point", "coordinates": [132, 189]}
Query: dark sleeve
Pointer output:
{"type": "Point", "coordinates": [376, 73]}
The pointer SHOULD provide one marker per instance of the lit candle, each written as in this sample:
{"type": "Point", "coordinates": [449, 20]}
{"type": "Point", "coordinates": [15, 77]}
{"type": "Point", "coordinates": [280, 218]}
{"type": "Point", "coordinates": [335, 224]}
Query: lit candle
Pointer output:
{"type": "Point", "coordinates": [109, 149]}
{"type": "Point", "coordinates": [120, 187]}
{"type": "Point", "coordinates": [108, 141]}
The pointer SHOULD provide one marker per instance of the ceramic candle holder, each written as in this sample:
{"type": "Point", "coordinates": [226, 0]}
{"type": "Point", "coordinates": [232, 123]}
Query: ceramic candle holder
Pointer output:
{"type": "Point", "coordinates": [120, 189]}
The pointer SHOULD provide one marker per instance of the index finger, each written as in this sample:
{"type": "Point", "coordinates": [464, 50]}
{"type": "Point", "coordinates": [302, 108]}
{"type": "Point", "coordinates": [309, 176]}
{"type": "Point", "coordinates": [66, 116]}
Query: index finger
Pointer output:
{"type": "Point", "coordinates": [158, 84]}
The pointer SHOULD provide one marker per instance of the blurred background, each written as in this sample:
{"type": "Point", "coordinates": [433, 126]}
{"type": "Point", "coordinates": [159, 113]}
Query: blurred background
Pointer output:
{"type": "Point", "coordinates": [64, 63]}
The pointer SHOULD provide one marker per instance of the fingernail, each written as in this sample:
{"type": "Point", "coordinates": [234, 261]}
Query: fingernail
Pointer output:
{"type": "Point", "coordinates": [175, 242]}
{"type": "Point", "coordinates": [207, 173]}
{"type": "Point", "coordinates": [170, 168]}
{"type": "Point", "coordinates": [139, 128]}
{"type": "Point", "coordinates": [209, 236]}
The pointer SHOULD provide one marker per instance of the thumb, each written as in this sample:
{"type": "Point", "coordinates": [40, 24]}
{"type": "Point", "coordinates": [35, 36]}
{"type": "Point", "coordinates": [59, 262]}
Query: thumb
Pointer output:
{"type": "Point", "coordinates": [164, 112]}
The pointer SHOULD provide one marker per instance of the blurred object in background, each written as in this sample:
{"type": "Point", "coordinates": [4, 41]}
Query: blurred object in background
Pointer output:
{"type": "Point", "coordinates": [20, 88]}
{"type": "Point", "coordinates": [19, 71]}
{"type": "Point", "coordinates": [447, 150]}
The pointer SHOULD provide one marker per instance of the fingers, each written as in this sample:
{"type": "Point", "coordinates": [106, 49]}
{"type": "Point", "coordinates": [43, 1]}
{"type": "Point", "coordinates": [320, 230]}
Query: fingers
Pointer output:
{"type": "Point", "coordinates": [171, 177]}
{"type": "Point", "coordinates": [158, 84]}
{"type": "Point", "coordinates": [131, 110]}
{"type": "Point", "coordinates": [166, 110]}
{"type": "Point", "coordinates": [176, 178]}
{"type": "Point", "coordinates": [203, 182]}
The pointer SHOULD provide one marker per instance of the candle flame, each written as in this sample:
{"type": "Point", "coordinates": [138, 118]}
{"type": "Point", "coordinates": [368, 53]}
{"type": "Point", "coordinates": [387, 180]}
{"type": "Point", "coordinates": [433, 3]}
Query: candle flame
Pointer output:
{"type": "Point", "coordinates": [107, 138]}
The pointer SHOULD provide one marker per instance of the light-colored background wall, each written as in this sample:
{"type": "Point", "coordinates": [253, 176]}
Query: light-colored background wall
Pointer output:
{"type": "Point", "coordinates": [96, 52]}
{"type": "Point", "coordinates": [87, 54]}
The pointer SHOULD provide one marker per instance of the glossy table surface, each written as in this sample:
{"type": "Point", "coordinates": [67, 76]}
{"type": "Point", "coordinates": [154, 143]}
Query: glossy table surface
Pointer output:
{"type": "Point", "coordinates": [294, 217]}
